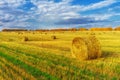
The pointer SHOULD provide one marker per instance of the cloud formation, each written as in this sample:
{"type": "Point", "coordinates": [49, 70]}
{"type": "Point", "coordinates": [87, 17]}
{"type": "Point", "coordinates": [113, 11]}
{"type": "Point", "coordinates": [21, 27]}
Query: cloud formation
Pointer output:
{"type": "Point", "coordinates": [34, 14]}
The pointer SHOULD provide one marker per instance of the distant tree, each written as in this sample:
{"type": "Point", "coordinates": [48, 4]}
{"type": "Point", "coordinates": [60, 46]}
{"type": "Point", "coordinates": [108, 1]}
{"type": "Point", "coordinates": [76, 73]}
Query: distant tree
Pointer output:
{"type": "Point", "coordinates": [117, 28]}
{"type": "Point", "coordinates": [42, 30]}
{"type": "Point", "coordinates": [59, 29]}
{"type": "Point", "coordinates": [82, 29]}
{"type": "Point", "coordinates": [14, 30]}
{"type": "Point", "coordinates": [72, 29]}
{"type": "Point", "coordinates": [101, 29]}
{"type": "Point", "coordinates": [107, 29]}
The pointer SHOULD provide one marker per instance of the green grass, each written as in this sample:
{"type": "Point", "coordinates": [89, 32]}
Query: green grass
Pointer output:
{"type": "Point", "coordinates": [31, 70]}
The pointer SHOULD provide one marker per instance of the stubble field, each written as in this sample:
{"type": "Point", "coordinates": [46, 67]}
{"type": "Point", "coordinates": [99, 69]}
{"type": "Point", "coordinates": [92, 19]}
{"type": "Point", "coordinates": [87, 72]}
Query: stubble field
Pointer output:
{"type": "Point", "coordinates": [37, 56]}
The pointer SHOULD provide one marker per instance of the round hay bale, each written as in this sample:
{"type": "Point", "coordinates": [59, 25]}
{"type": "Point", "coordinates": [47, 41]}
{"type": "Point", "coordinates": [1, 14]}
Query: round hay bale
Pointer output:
{"type": "Point", "coordinates": [79, 48]}
{"type": "Point", "coordinates": [25, 38]}
{"type": "Point", "coordinates": [53, 37]}
{"type": "Point", "coordinates": [95, 48]}
{"type": "Point", "coordinates": [92, 33]}
{"type": "Point", "coordinates": [86, 48]}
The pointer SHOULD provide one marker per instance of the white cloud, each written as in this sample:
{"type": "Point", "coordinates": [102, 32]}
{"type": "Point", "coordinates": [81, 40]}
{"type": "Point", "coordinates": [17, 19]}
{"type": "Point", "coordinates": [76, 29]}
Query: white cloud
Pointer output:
{"type": "Point", "coordinates": [64, 10]}
{"type": "Point", "coordinates": [12, 3]}
{"type": "Point", "coordinates": [100, 17]}
{"type": "Point", "coordinates": [47, 12]}
{"type": "Point", "coordinates": [99, 5]}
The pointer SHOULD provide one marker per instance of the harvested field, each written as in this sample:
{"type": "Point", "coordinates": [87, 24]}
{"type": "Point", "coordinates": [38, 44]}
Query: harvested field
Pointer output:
{"type": "Point", "coordinates": [43, 58]}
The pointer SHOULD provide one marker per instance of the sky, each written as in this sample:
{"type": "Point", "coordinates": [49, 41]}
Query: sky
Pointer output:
{"type": "Point", "coordinates": [50, 14]}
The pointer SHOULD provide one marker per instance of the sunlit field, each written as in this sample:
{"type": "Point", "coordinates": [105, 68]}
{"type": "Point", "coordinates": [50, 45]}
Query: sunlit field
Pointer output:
{"type": "Point", "coordinates": [37, 55]}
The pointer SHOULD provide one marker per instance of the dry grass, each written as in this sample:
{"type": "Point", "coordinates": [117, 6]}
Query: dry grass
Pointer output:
{"type": "Point", "coordinates": [54, 57]}
{"type": "Point", "coordinates": [86, 48]}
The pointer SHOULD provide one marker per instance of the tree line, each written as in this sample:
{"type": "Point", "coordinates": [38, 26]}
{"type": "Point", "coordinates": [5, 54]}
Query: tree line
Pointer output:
{"type": "Point", "coordinates": [70, 29]}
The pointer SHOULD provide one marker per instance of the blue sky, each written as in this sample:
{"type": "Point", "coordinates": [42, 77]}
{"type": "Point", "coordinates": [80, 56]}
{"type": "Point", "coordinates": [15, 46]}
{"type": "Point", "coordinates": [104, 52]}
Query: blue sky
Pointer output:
{"type": "Point", "coordinates": [48, 14]}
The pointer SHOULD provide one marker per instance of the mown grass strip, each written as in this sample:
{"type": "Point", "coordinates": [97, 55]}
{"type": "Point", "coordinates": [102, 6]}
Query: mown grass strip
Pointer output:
{"type": "Point", "coordinates": [52, 60]}
{"type": "Point", "coordinates": [32, 70]}
{"type": "Point", "coordinates": [1, 72]}
{"type": "Point", "coordinates": [12, 69]}
{"type": "Point", "coordinates": [83, 72]}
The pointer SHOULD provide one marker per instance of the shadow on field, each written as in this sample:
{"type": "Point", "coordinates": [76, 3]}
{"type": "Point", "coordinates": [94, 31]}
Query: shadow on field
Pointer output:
{"type": "Point", "coordinates": [106, 54]}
